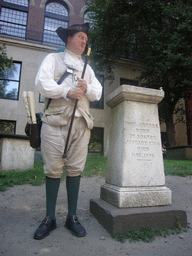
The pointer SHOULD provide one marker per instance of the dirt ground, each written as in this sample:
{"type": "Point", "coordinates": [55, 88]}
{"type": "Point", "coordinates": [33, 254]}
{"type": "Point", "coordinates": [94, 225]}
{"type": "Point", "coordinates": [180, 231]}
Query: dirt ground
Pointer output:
{"type": "Point", "coordinates": [22, 208]}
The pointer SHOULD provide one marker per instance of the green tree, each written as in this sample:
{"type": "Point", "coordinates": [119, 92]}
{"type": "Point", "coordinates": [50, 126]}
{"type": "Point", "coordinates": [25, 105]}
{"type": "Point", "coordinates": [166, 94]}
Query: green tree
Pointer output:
{"type": "Point", "coordinates": [156, 33]}
{"type": "Point", "coordinates": [5, 65]}
{"type": "Point", "coordinates": [5, 62]}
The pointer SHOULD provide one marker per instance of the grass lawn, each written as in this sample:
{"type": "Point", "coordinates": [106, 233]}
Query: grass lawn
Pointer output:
{"type": "Point", "coordinates": [181, 168]}
{"type": "Point", "coordinates": [95, 165]}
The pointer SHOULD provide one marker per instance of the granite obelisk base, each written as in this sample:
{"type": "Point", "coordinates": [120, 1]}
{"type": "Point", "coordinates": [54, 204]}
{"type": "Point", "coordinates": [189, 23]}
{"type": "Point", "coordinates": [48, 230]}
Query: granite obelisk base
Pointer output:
{"type": "Point", "coordinates": [116, 220]}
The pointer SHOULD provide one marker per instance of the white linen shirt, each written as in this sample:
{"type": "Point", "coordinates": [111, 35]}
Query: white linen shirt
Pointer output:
{"type": "Point", "coordinates": [53, 67]}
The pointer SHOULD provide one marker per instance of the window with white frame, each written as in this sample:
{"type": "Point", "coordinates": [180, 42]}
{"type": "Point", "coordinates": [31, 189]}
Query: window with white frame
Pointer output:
{"type": "Point", "coordinates": [10, 82]}
{"type": "Point", "coordinates": [13, 19]}
{"type": "Point", "coordinates": [56, 15]}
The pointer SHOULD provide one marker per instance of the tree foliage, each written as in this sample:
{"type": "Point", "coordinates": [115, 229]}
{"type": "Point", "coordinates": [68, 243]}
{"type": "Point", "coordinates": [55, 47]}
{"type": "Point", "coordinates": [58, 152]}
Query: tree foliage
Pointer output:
{"type": "Point", "coordinates": [6, 70]}
{"type": "Point", "coordinates": [5, 62]}
{"type": "Point", "coordinates": [158, 34]}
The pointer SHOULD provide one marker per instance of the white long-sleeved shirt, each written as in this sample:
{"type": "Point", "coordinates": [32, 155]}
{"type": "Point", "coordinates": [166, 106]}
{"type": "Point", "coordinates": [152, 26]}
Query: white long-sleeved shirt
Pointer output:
{"type": "Point", "coordinates": [53, 67]}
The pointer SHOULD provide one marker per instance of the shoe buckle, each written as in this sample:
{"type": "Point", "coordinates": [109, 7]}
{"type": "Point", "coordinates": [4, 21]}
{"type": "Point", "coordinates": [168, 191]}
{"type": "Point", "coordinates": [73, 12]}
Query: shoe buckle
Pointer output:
{"type": "Point", "coordinates": [46, 220]}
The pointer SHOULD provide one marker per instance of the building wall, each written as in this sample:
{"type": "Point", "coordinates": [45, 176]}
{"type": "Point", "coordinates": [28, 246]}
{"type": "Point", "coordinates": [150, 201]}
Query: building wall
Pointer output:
{"type": "Point", "coordinates": [32, 51]}
{"type": "Point", "coordinates": [31, 56]}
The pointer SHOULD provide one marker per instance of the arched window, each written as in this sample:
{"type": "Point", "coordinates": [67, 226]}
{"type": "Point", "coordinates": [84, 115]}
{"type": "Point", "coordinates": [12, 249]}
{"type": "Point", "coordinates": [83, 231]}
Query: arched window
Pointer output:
{"type": "Point", "coordinates": [13, 20]}
{"type": "Point", "coordinates": [89, 17]}
{"type": "Point", "coordinates": [56, 15]}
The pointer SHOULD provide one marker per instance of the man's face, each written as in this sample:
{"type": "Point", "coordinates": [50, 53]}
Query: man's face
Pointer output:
{"type": "Point", "coordinates": [77, 43]}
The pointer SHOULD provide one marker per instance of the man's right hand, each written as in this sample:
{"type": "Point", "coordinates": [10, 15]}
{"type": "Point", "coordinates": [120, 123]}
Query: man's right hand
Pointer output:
{"type": "Point", "coordinates": [76, 93]}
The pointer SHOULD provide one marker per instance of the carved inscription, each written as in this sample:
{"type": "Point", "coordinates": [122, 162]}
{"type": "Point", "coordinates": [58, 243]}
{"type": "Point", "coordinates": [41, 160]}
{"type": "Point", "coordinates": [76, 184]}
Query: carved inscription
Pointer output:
{"type": "Point", "coordinates": [143, 137]}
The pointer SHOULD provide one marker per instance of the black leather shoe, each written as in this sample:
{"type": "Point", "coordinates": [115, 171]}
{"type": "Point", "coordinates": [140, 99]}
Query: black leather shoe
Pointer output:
{"type": "Point", "coordinates": [44, 229]}
{"type": "Point", "coordinates": [72, 223]}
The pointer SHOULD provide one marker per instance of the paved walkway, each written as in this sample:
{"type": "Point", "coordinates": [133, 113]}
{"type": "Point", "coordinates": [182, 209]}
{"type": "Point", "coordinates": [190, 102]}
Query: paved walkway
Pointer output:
{"type": "Point", "coordinates": [23, 207]}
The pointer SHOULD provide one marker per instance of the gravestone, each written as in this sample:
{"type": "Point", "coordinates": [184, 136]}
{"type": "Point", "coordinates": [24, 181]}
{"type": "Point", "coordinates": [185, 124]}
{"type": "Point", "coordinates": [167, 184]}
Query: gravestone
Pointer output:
{"type": "Point", "coordinates": [135, 170]}
{"type": "Point", "coordinates": [15, 153]}
{"type": "Point", "coordinates": [134, 194]}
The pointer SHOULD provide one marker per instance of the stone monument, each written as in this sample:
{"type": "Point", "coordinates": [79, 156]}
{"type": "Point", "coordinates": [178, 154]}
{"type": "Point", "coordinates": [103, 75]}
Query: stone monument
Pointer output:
{"type": "Point", "coordinates": [15, 153]}
{"type": "Point", "coordinates": [135, 171]}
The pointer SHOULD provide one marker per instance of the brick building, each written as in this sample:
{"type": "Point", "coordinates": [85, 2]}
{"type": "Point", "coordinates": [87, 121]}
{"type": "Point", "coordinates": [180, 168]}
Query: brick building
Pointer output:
{"type": "Point", "coordinates": [27, 28]}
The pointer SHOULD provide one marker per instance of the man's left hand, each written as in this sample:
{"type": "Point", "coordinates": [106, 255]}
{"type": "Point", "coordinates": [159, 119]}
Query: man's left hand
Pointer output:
{"type": "Point", "coordinates": [82, 84]}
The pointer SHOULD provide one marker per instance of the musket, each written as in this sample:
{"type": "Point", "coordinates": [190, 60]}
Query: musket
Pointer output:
{"type": "Point", "coordinates": [75, 106]}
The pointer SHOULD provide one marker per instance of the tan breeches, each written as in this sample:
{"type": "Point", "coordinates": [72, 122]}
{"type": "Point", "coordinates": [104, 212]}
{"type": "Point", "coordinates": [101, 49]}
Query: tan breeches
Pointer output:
{"type": "Point", "coordinates": [53, 139]}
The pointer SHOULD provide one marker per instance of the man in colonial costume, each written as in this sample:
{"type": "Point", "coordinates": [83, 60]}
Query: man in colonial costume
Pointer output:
{"type": "Point", "coordinates": [56, 122]}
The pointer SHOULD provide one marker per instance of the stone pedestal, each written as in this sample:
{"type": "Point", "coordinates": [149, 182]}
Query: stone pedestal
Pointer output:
{"type": "Point", "coordinates": [135, 170]}
{"type": "Point", "coordinates": [134, 195]}
{"type": "Point", "coordinates": [15, 153]}
{"type": "Point", "coordinates": [116, 220]}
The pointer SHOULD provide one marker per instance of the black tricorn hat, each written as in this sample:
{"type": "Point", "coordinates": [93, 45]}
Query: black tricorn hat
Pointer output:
{"type": "Point", "coordinates": [63, 33]}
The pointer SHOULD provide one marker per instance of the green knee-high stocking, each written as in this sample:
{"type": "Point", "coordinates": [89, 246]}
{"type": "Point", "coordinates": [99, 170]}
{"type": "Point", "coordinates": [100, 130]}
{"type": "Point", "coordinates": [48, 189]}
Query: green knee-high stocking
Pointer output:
{"type": "Point", "coordinates": [52, 187]}
{"type": "Point", "coordinates": [72, 185]}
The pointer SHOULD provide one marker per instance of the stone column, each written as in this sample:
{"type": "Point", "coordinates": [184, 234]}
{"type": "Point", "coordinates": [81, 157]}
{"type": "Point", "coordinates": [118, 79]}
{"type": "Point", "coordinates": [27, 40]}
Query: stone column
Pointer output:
{"type": "Point", "coordinates": [135, 170]}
